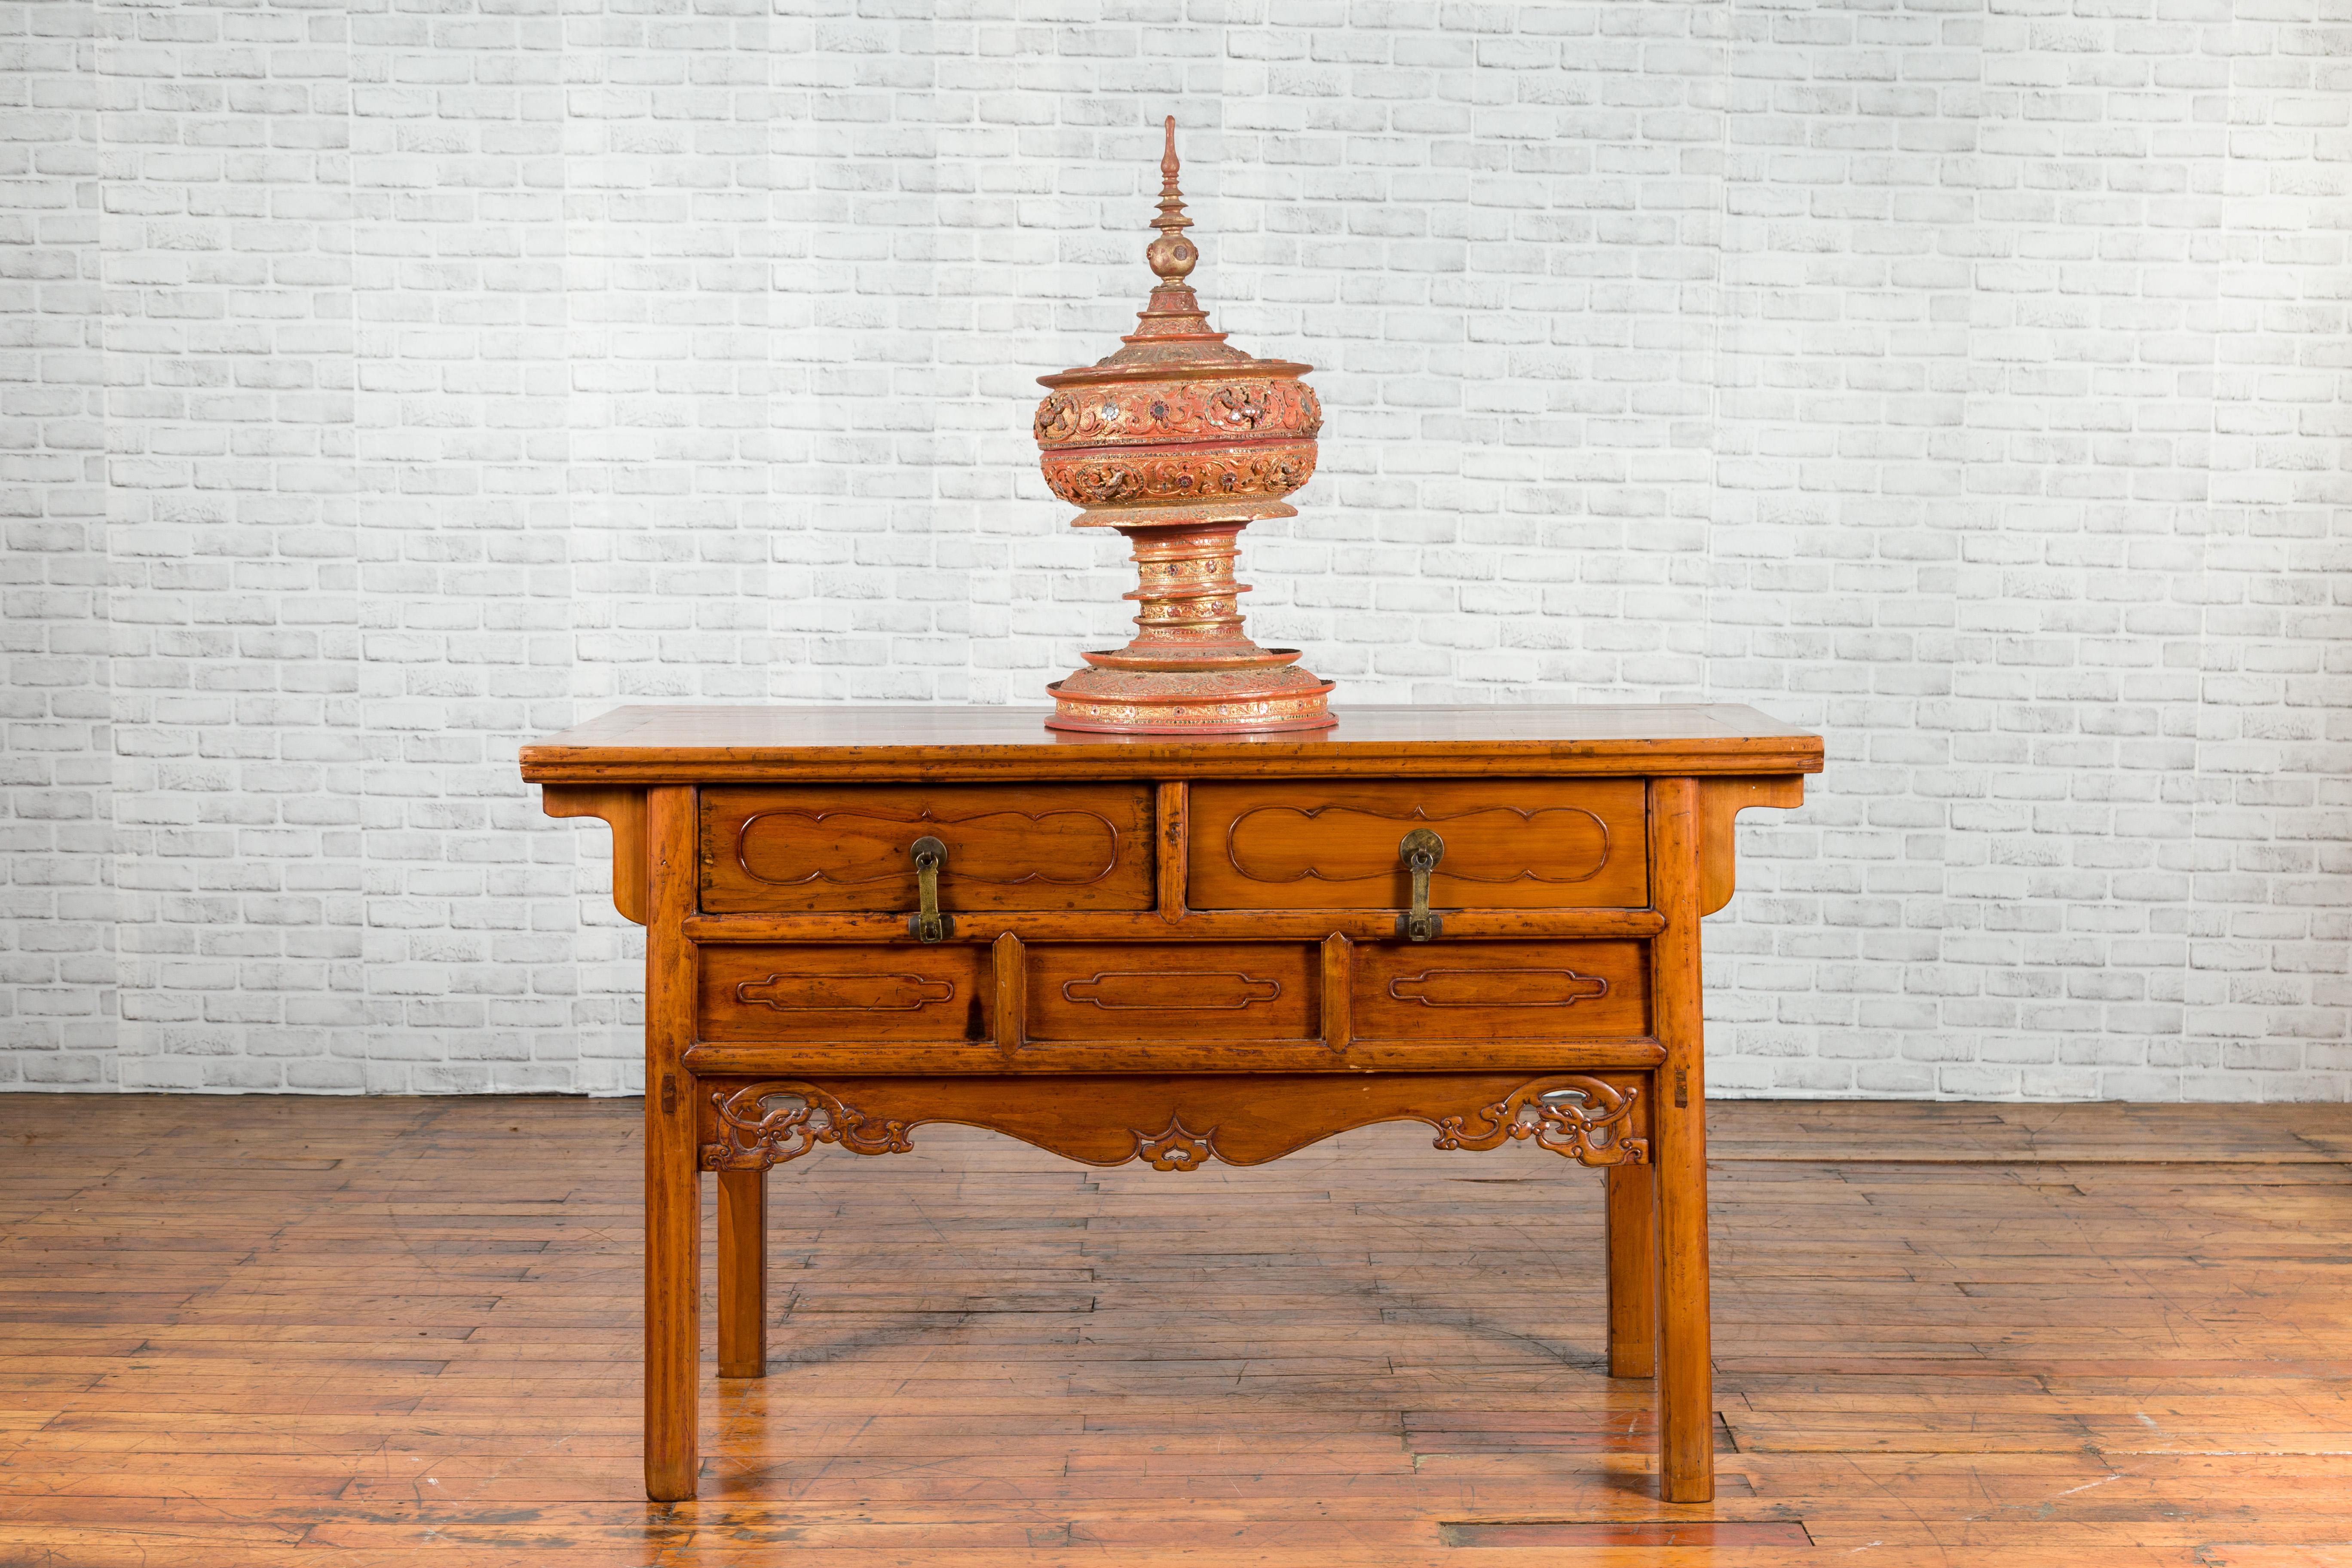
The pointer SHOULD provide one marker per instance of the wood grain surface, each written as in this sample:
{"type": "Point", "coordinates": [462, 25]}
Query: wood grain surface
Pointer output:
{"type": "Point", "coordinates": [1509, 844]}
{"type": "Point", "coordinates": [1686, 1389]}
{"type": "Point", "coordinates": [1116, 993]}
{"type": "Point", "coordinates": [803, 848]}
{"type": "Point", "coordinates": [806, 834]}
{"type": "Point", "coordinates": [713, 745]}
{"type": "Point", "coordinates": [825, 992]}
{"type": "Point", "coordinates": [673, 1275]}
{"type": "Point", "coordinates": [1493, 990]}
{"type": "Point", "coordinates": [623, 809]}
{"type": "Point", "coordinates": [279, 1332]}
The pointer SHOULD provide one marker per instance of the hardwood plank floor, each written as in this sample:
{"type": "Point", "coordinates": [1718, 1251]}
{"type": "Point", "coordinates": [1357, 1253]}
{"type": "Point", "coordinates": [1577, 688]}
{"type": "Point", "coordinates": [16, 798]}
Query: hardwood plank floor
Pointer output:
{"type": "Point", "coordinates": [255, 1332]}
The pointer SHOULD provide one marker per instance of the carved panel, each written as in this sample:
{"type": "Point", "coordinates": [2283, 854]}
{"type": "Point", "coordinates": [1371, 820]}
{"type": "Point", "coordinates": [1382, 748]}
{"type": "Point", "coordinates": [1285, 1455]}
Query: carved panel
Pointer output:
{"type": "Point", "coordinates": [1509, 844]}
{"type": "Point", "coordinates": [822, 993]}
{"type": "Point", "coordinates": [799, 848]}
{"type": "Point", "coordinates": [1582, 1118]}
{"type": "Point", "coordinates": [1175, 1147]}
{"type": "Point", "coordinates": [1202, 991]}
{"type": "Point", "coordinates": [1175, 1122]}
{"type": "Point", "coordinates": [1454, 990]}
{"type": "Point", "coordinates": [768, 1124]}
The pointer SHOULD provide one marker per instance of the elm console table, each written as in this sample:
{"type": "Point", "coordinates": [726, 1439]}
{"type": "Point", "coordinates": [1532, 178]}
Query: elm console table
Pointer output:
{"type": "Point", "coordinates": [1176, 950]}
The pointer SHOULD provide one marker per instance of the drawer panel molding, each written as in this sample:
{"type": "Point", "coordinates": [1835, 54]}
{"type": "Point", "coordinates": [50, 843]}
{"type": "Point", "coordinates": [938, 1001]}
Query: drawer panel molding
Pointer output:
{"type": "Point", "coordinates": [1181, 990]}
{"type": "Point", "coordinates": [815, 850]}
{"type": "Point", "coordinates": [1532, 844]}
{"type": "Point", "coordinates": [1559, 845]}
{"type": "Point", "coordinates": [839, 993]}
{"type": "Point", "coordinates": [818, 994]}
{"type": "Point", "coordinates": [1444, 987]}
{"type": "Point", "coordinates": [1494, 991]}
{"type": "Point", "coordinates": [1191, 990]}
{"type": "Point", "coordinates": [864, 849]}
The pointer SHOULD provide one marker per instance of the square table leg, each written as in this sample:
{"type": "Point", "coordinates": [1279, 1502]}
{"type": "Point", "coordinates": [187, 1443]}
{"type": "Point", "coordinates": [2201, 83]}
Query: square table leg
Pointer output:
{"type": "Point", "coordinates": [1632, 1219]}
{"type": "Point", "coordinates": [742, 1273]}
{"type": "Point", "coordinates": [673, 1163]}
{"type": "Point", "coordinates": [673, 1324]}
{"type": "Point", "coordinates": [1686, 1375]}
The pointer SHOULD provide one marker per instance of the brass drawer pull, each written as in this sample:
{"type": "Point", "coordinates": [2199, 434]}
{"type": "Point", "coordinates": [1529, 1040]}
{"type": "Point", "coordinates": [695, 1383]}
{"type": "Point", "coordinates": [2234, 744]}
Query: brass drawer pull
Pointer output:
{"type": "Point", "coordinates": [927, 923]}
{"type": "Point", "coordinates": [1422, 849]}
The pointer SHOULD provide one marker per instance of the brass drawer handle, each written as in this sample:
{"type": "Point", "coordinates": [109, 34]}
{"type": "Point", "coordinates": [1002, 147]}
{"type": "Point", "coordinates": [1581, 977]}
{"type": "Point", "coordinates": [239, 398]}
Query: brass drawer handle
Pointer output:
{"type": "Point", "coordinates": [1420, 850]}
{"type": "Point", "coordinates": [927, 923]}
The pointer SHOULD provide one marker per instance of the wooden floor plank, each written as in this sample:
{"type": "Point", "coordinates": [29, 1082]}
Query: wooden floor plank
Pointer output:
{"type": "Point", "coordinates": [255, 1332]}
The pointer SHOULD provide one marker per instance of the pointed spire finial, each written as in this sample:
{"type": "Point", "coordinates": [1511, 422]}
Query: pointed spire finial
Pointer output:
{"type": "Point", "coordinates": [1172, 327]}
{"type": "Point", "coordinates": [1172, 255]}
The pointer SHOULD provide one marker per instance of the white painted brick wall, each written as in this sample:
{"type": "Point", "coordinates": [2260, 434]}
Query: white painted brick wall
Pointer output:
{"type": "Point", "coordinates": [384, 382]}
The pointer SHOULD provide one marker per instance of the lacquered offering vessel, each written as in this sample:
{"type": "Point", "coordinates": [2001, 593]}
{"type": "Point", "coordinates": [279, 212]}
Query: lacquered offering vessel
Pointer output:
{"type": "Point", "coordinates": [1180, 441]}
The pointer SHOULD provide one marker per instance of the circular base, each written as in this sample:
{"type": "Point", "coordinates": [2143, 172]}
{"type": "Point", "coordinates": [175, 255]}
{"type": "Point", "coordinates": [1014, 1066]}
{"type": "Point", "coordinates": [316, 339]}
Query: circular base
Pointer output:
{"type": "Point", "coordinates": [1188, 711]}
{"type": "Point", "coordinates": [1261, 727]}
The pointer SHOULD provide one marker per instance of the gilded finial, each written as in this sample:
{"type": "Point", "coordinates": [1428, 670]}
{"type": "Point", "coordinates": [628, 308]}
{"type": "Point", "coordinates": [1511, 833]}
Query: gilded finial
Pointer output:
{"type": "Point", "coordinates": [1172, 255]}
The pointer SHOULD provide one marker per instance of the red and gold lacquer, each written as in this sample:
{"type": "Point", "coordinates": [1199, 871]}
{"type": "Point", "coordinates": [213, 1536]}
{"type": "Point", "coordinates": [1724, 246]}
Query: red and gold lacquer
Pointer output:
{"type": "Point", "coordinates": [1180, 441]}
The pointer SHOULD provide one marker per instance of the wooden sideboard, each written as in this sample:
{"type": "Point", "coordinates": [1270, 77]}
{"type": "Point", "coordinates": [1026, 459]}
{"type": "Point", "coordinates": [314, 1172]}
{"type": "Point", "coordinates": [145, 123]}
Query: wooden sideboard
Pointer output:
{"type": "Point", "coordinates": [1175, 950]}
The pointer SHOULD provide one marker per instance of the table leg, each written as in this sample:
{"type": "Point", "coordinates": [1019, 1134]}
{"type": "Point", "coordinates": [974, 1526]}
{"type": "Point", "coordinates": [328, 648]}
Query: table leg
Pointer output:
{"type": "Point", "coordinates": [1632, 1214]}
{"type": "Point", "coordinates": [1686, 1369]}
{"type": "Point", "coordinates": [742, 1273]}
{"type": "Point", "coordinates": [1685, 1378]}
{"type": "Point", "coordinates": [673, 1163]}
{"type": "Point", "coordinates": [673, 1310]}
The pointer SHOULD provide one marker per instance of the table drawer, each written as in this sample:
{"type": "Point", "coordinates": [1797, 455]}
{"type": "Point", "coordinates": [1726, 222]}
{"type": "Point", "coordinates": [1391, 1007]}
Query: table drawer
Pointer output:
{"type": "Point", "coordinates": [1509, 844]}
{"type": "Point", "coordinates": [1195, 992]}
{"type": "Point", "coordinates": [1462, 991]}
{"type": "Point", "coordinates": [815, 994]}
{"type": "Point", "coordinates": [838, 848]}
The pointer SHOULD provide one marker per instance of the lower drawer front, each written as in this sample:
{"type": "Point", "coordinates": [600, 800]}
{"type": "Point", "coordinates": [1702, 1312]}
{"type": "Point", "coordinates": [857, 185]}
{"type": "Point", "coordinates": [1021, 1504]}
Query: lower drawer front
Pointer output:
{"type": "Point", "coordinates": [1211, 994]}
{"type": "Point", "coordinates": [819, 993]}
{"type": "Point", "coordinates": [1471, 991]}
{"type": "Point", "coordinates": [1203, 991]}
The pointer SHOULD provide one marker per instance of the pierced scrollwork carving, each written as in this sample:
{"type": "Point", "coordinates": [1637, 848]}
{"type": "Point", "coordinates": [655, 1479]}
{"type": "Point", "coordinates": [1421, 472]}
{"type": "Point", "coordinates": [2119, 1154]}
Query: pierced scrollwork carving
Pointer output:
{"type": "Point", "coordinates": [1177, 1148]}
{"type": "Point", "coordinates": [754, 1137]}
{"type": "Point", "coordinates": [1582, 1117]}
{"type": "Point", "coordinates": [1242, 1119]}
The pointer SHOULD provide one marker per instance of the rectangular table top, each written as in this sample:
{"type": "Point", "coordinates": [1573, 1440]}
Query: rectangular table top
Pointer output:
{"type": "Point", "coordinates": [691, 744]}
